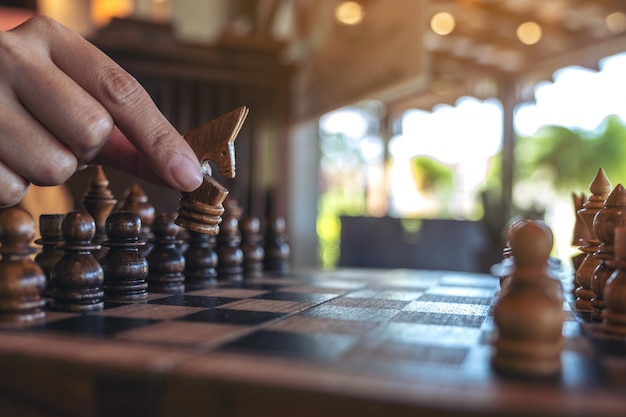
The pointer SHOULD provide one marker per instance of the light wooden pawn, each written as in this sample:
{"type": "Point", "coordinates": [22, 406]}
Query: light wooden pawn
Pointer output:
{"type": "Point", "coordinates": [529, 314]}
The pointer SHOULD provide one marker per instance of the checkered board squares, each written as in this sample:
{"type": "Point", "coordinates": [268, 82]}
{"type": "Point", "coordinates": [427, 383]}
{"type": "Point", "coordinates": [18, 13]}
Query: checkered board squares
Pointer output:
{"type": "Point", "coordinates": [430, 324]}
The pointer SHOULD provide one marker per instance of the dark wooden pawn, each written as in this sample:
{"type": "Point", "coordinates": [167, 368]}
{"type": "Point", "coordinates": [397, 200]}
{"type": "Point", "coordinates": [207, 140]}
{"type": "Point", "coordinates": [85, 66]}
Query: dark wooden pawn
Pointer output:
{"type": "Point", "coordinates": [125, 269]}
{"type": "Point", "coordinates": [136, 201]}
{"type": "Point", "coordinates": [99, 202]}
{"type": "Point", "coordinates": [200, 261]}
{"type": "Point", "coordinates": [277, 251]}
{"type": "Point", "coordinates": [22, 280]}
{"type": "Point", "coordinates": [229, 253]}
{"type": "Point", "coordinates": [77, 278]}
{"type": "Point", "coordinates": [166, 263]}
{"type": "Point", "coordinates": [252, 247]}
{"type": "Point", "coordinates": [50, 240]}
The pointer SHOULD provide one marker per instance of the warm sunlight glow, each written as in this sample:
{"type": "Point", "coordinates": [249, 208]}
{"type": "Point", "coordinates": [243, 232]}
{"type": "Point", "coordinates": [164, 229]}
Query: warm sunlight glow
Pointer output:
{"type": "Point", "coordinates": [442, 23]}
{"type": "Point", "coordinates": [529, 33]}
{"type": "Point", "coordinates": [349, 13]}
{"type": "Point", "coordinates": [616, 22]}
{"type": "Point", "coordinates": [579, 98]}
{"type": "Point", "coordinates": [102, 11]}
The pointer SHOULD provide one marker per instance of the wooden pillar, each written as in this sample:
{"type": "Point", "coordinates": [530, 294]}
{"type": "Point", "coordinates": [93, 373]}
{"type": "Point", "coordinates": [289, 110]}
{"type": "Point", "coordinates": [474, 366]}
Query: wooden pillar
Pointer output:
{"type": "Point", "coordinates": [508, 97]}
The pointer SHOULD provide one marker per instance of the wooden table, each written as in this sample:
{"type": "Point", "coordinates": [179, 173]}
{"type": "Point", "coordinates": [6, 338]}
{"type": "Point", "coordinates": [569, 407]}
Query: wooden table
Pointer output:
{"type": "Point", "coordinates": [335, 343]}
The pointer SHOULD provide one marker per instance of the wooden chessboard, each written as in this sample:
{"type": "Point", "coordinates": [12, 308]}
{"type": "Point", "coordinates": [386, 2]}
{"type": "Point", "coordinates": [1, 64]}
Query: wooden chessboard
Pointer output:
{"type": "Point", "coordinates": [312, 343]}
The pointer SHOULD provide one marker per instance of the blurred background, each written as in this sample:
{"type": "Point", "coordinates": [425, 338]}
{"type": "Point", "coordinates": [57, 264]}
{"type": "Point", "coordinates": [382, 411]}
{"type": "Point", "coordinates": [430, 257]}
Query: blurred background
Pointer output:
{"type": "Point", "coordinates": [395, 133]}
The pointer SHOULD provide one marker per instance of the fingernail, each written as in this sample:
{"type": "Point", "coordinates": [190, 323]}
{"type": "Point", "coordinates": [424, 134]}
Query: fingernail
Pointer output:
{"type": "Point", "coordinates": [185, 172]}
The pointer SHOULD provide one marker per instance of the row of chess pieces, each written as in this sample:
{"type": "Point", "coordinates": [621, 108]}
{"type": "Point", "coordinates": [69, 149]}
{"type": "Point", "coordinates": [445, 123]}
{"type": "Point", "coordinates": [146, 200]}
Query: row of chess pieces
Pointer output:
{"type": "Point", "coordinates": [121, 252]}
{"type": "Point", "coordinates": [599, 275]}
{"type": "Point", "coordinates": [529, 311]}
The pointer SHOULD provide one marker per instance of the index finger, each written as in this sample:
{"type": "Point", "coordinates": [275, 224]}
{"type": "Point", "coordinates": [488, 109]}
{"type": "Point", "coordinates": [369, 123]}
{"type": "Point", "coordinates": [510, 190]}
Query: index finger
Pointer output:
{"type": "Point", "coordinates": [131, 107]}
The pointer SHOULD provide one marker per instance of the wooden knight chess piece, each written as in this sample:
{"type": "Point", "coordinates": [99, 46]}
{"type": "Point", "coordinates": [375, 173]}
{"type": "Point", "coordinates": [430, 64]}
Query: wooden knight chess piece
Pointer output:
{"type": "Point", "coordinates": [22, 281]}
{"type": "Point", "coordinates": [201, 210]}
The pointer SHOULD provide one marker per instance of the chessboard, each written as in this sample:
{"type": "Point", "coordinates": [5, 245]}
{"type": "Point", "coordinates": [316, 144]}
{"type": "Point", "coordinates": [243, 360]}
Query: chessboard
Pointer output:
{"type": "Point", "coordinates": [311, 342]}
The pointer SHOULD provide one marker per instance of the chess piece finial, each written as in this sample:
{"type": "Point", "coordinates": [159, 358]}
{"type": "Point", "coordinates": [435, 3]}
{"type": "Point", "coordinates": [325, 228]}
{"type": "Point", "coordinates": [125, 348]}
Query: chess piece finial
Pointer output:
{"type": "Point", "coordinates": [22, 281]}
{"type": "Point", "coordinates": [166, 263]}
{"type": "Point", "coordinates": [77, 277]}
{"type": "Point", "coordinates": [614, 313]}
{"type": "Point", "coordinates": [99, 202]}
{"type": "Point", "coordinates": [201, 210]}
{"type": "Point", "coordinates": [125, 269]}
{"type": "Point", "coordinates": [612, 215]}
{"type": "Point", "coordinates": [51, 238]}
{"type": "Point", "coordinates": [529, 315]}
{"type": "Point", "coordinates": [600, 188]}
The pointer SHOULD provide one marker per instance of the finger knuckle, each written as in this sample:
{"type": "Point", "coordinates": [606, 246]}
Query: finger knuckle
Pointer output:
{"type": "Point", "coordinates": [94, 132]}
{"type": "Point", "coordinates": [119, 87]}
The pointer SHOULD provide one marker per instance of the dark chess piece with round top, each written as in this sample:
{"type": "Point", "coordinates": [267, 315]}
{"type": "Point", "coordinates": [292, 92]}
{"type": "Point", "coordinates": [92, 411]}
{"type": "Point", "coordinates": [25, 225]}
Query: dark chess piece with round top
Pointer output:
{"type": "Point", "coordinates": [22, 281]}
{"type": "Point", "coordinates": [166, 263]}
{"type": "Point", "coordinates": [125, 269]}
{"type": "Point", "coordinates": [77, 278]}
{"type": "Point", "coordinates": [50, 240]}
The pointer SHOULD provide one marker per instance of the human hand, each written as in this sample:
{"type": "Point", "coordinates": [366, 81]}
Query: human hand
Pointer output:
{"type": "Point", "coordinates": [65, 104]}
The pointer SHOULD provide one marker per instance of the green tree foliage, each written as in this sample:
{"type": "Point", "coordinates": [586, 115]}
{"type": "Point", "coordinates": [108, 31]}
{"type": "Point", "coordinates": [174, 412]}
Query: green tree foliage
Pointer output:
{"type": "Point", "coordinates": [570, 158]}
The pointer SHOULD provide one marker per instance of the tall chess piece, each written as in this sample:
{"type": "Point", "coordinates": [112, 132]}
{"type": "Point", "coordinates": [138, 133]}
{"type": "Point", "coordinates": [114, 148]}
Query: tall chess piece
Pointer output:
{"type": "Point", "coordinates": [228, 248]}
{"type": "Point", "coordinates": [611, 215]}
{"type": "Point", "coordinates": [200, 261]}
{"type": "Point", "coordinates": [22, 281]}
{"type": "Point", "coordinates": [277, 251]}
{"type": "Point", "coordinates": [252, 247]}
{"type": "Point", "coordinates": [166, 263]}
{"type": "Point", "coordinates": [529, 315]}
{"type": "Point", "coordinates": [50, 240]}
{"type": "Point", "coordinates": [77, 278]}
{"type": "Point", "coordinates": [600, 188]}
{"type": "Point", "coordinates": [614, 313]}
{"type": "Point", "coordinates": [99, 202]}
{"type": "Point", "coordinates": [125, 269]}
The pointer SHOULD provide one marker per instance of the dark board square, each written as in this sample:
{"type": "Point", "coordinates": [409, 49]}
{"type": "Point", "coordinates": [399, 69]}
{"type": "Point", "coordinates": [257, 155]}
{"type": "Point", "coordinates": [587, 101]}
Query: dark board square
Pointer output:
{"type": "Point", "coordinates": [193, 301]}
{"type": "Point", "coordinates": [251, 285]}
{"type": "Point", "coordinates": [229, 316]}
{"type": "Point", "coordinates": [324, 347]}
{"type": "Point", "coordinates": [296, 296]}
{"type": "Point", "coordinates": [94, 325]}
